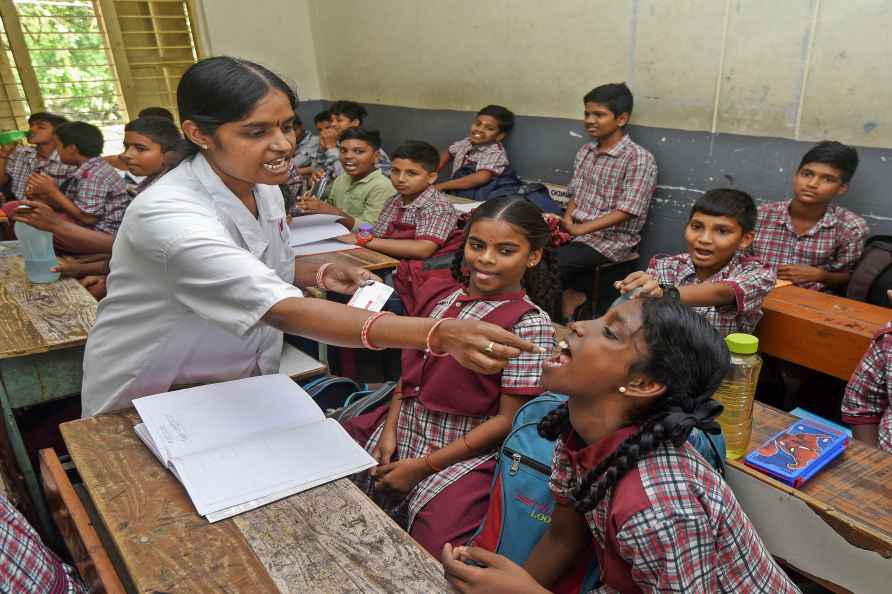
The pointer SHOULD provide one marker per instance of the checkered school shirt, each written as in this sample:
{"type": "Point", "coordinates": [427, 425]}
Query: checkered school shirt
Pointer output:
{"type": "Point", "coordinates": [750, 278]}
{"type": "Point", "coordinates": [433, 216]}
{"type": "Point", "coordinates": [421, 431]}
{"type": "Point", "coordinates": [25, 161]}
{"type": "Point", "coordinates": [869, 391]}
{"type": "Point", "coordinates": [97, 189]}
{"type": "Point", "coordinates": [835, 243]}
{"type": "Point", "coordinates": [26, 565]}
{"type": "Point", "coordinates": [622, 178]}
{"type": "Point", "coordinates": [484, 157]}
{"type": "Point", "coordinates": [688, 535]}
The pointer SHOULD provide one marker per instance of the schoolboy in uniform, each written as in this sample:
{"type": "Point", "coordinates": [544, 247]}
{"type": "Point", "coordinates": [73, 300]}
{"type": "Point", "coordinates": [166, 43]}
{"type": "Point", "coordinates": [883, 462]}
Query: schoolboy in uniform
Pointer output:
{"type": "Point", "coordinates": [865, 405]}
{"type": "Point", "coordinates": [95, 195]}
{"type": "Point", "coordinates": [714, 276]}
{"type": "Point", "coordinates": [613, 181]}
{"type": "Point", "coordinates": [479, 158]}
{"type": "Point", "coordinates": [18, 165]}
{"type": "Point", "coordinates": [344, 115]}
{"type": "Point", "coordinates": [809, 241]}
{"type": "Point", "coordinates": [307, 145]}
{"type": "Point", "coordinates": [358, 194]}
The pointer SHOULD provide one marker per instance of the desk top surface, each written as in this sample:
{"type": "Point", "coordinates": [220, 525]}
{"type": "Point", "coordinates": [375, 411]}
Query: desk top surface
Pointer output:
{"type": "Point", "coordinates": [35, 318]}
{"type": "Point", "coordinates": [364, 257]}
{"type": "Point", "coordinates": [830, 310]}
{"type": "Point", "coordinates": [329, 539]}
{"type": "Point", "coordinates": [853, 493]}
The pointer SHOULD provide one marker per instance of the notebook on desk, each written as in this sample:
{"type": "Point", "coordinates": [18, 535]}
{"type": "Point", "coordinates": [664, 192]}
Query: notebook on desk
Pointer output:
{"type": "Point", "coordinates": [238, 445]}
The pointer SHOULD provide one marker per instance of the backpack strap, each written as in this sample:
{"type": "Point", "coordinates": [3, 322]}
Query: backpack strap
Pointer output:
{"type": "Point", "coordinates": [877, 257]}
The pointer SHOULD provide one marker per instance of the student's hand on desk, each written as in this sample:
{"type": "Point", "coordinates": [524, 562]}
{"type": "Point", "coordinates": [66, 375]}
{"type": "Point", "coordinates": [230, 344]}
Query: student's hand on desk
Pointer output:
{"type": "Point", "coordinates": [347, 238]}
{"type": "Point", "coordinates": [67, 267]}
{"type": "Point", "coordinates": [308, 205]}
{"type": "Point", "coordinates": [469, 341]}
{"type": "Point", "coordinates": [346, 279]}
{"type": "Point", "coordinates": [41, 216]}
{"type": "Point", "coordinates": [499, 575]}
{"type": "Point", "coordinates": [648, 285]}
{"type": "Point", "coordinates": [401, 476]}
{"type": "Point", "coordinates": [800, 274]}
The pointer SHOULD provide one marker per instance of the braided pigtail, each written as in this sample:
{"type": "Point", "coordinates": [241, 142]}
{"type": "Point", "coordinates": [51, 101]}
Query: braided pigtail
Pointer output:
{"type": "Point", "coordinates": [458, 259]}
{"type": "Point", "coordinates": [542, 283]}
{"type": "Point", "coordinates": [555, 423]}
{"type": "Point", "coordinates": [688, 357]}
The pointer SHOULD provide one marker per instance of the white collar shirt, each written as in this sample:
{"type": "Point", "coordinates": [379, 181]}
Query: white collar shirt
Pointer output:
{"type": "Point", "coordinates": [192, 274]}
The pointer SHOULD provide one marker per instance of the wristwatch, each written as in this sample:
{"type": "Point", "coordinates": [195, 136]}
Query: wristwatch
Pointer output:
{"type": "Point", "coordinates": [671, 291]}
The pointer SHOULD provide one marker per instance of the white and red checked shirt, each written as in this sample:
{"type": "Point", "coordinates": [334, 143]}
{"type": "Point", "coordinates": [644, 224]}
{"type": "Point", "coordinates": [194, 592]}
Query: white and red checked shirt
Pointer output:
{"type": "Point", "coordinates": [751, 280]}
{"type": "Point", "coordinates": [490, 157]}
{"type": "Point", "coordinates": [622, 178]}
{"type": "Point", "coordinates": [24, 161]}
{"type": "Point", "coordinates": [835, 243]}
{"type": "Point", "coordinates": [27, 566]}
{"type": "Point", "coordinates": [867, 396]}
{"type": "Point", "coordinates": [431, 213]}
{"type": "Point", "coordinates": [97, 189]}
{"type": "Point", "coordinates": [671, 524]}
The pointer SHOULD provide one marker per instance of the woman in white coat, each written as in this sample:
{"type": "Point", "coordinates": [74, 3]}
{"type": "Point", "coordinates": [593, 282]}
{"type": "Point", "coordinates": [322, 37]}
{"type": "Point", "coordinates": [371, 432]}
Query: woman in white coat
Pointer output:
{"type": "Point", "coordinates": [202, 281]}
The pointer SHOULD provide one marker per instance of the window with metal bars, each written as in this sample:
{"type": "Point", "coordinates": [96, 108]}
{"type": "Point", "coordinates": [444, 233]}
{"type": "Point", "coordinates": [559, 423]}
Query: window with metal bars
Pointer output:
{"type": "Point", "coordinates": [99, 61]}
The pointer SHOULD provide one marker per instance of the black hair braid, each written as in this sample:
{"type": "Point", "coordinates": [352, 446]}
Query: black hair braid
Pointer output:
{"type": "Point", "coordinates": [542, 283]}
{"type": "Point", "coordinates": [687, 356]}
{"type": "Point", "coordinates": [458, 258]}
{"type": "Point", "coordinates": [555, 423]}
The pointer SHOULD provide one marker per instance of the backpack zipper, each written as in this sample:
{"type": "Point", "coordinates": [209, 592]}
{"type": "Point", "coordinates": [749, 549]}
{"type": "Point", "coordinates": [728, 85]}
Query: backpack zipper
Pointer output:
{"type": "Point", "coordinates": [518, 459]}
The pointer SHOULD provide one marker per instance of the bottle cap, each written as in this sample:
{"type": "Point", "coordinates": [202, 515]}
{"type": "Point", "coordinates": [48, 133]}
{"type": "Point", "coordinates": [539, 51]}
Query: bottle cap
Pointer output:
{"type": "Point", "coordinates": [742, 344]}
{"type": "Point", "coordinates": [365, 228]}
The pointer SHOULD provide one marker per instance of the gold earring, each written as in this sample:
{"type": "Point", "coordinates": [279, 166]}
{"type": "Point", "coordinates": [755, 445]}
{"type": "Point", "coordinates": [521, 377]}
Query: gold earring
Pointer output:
{"type": "Point", "coordinates": [622, 389]}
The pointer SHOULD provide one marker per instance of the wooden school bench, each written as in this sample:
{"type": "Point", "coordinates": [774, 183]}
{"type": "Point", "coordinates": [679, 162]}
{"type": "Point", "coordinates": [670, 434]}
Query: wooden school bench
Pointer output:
{"type": "Point", "coordinates": [328, 539]}
{"type": "Point", "coordinates": [42, 331]}
{"type": "Point", "coordinates": [838, 527]}
{"type": "Point", "coordinates": [364, 257]}
{"type": "Point", "coordinates": [818, 330]}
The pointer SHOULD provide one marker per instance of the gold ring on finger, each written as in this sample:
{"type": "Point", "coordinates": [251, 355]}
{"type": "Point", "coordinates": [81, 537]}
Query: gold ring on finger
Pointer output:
{"type": "Point", "coordinates": [489, 348]}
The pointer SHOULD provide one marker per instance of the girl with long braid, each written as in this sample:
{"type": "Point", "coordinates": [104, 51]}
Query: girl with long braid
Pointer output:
{"type": "Point", "coordinates": [436, 442]}
{"type": "Point", "coordinates": [639, 379]}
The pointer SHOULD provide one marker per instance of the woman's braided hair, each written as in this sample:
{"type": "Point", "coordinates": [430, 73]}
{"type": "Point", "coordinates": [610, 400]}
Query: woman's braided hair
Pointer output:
{"type": "Point", "coordinates": [542, 282]}
{"type": "Point", "coordinates": [685, 354]}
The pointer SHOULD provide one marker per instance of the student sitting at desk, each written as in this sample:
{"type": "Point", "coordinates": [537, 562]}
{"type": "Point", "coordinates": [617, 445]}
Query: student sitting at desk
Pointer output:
{"type": "Point", "coordinates": [95, 195]}
{"type": "Point", "coordinates": [435, 443]}
{"type": "Point", "coordinates": [865, 405]}
{"type": "Point", "coordinates": [714, 276]}
{"type": "Point", "coordinates": [479, 161]}
{"type": "Point", "coordinates": [659, 517]}
{"type": "Point", "coordinates": [17, 165]}
{"type": "Point", "coordinates": [344, 115]}
{"type": "Point", "coordinates": [358, 194]}
{"type": "Point", "coordinates": [613, 181]}
{"type": "Point", "coordinates": [202, 275]}
{"type": "Point", "coordinates": [809, 241]}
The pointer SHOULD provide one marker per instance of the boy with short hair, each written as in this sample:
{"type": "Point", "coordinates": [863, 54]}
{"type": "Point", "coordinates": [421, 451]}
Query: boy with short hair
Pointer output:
{"type": "Point", "coordinates": [16, 166]}
{"type": "Point", "coordinates": [322, 120]}
{"type": "Point", "coordinates": [613, 181]}
{"type": "Point", "coordinates": [479, 158]}
{"type": "Point", "coordinates": [344, 114]}
{"type": "Point", "coordinates": [714, 276]}
{"type": "Point", "coordinates": [95, 195]}
{"type": "Point", "coordinates": [358, 194]}
{"type": "Point", "coordinates": [865, 405]}
{"type": "Point", "coordinates": [809, 241]}
{"type": "Point", "coordinates": [307, 145]}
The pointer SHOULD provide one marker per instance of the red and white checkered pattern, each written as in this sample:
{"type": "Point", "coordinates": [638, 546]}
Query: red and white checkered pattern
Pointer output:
{"type": "Point", "coordinates": [484, 157]}
{"type": "Point", "coordinates": [434, 218]}
{"type": "Point", "coordinates": [751, 280]}
{"type": "Point", "coordinates": [26, 565]}
{"type": "Point", "coordinates": [25, 161]}
{"type": "Point", "coordinates": [688, 534]}
{"type": "Point", "coordinates": [835, 243]}
{"type": "Point", "coordinates": [97, 189]}
{"type": "Point", "coordinates": [622, 178]}
{"type": "Point", "coordinates": [869, 391]}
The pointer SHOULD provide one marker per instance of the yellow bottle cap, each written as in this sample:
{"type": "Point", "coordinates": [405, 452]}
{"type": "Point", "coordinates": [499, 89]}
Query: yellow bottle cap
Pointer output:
{"type": "Point", "coordinates": [742, 344]}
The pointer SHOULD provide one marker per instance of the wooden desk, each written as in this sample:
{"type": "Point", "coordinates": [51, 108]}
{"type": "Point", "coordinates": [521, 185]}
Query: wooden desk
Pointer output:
{"type": "Point", "coordinates": [368, 259]}
{"type": "Point", "coordinates": [42, 331]}
{"type": "Point", "coordinates": [328, 539]}
{"type": "Point", "coordinates": [817, 330]}
{"type": "Point", "coordinates": [838, 527]}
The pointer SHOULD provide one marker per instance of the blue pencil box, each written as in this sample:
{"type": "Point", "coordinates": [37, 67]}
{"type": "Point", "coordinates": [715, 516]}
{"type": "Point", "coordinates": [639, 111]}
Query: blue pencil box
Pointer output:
{"type": "Point", "coordinates": [798, 452]}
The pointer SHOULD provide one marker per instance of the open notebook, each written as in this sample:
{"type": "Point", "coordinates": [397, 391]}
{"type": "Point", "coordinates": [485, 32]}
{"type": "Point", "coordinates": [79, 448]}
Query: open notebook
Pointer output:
{"type": "Point", "coordinates": [238, 445]}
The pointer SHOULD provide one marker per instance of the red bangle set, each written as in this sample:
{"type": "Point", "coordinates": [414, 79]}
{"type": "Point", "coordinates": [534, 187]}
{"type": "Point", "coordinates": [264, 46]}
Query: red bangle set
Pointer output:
{"type": "Point", "coordinates": [320, 275]}
{"type": "Point", "coordinates": [366, 326]}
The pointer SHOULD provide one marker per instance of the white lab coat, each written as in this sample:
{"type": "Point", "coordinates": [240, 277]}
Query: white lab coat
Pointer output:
{"type": "Point", "coordinates": [192, 273]}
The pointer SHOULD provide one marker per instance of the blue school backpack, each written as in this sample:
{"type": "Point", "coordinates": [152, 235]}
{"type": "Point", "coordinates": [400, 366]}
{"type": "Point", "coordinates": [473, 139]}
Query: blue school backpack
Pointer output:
{"type": "Point", "coordinates": [521, 504]}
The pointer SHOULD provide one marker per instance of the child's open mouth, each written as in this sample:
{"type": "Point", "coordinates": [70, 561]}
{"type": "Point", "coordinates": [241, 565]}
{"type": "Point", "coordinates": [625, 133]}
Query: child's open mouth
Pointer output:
{"type": "Point", "coordinates": [562, 356]}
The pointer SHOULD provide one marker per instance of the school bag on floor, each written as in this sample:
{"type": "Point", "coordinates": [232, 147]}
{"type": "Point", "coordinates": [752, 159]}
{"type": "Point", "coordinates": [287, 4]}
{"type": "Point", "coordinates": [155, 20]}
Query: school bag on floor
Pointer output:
{"type": "Point", "coordinates": [521, 504]}
{"type": "Point", "coordinates": [872, 276]}
{"type": "Point", "coordinates": [362, 402]}
{"type": "Point", "coordinates": [330, 392]}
